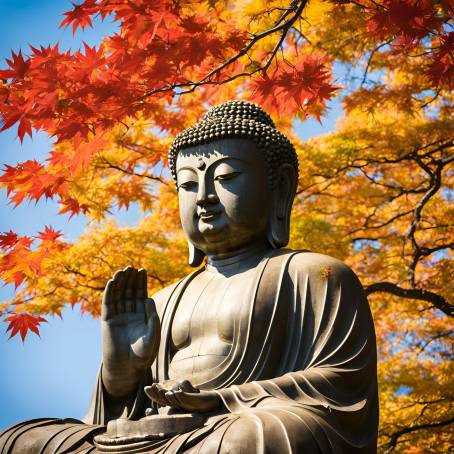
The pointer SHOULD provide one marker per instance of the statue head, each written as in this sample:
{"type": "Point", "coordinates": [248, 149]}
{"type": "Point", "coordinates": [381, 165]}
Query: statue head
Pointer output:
{"type": "Point", "coordinates": [236, 178]}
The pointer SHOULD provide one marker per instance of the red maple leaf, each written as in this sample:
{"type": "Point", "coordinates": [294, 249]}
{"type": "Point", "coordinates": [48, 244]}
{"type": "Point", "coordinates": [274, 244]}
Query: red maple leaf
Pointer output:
{"type": "Point", "coordinates": [89, 61]}
{"type": "Point", "coordinates": [72, 206]}
{"type": "Point", "coordinates": [289, 89]}
{"type": "Point", "coordinates": [8, 239]}
{"type": "Point", "coordinates": [19, 66]}
{"type": "Point", "coordinates": [21, 323]}
{"type": "Point", "coordinates": [407, 20]}
{"type": "Point", "coordinates": [49, 234]}
{"type": "Point", "coordinates": [15, 263]}
{"type": "Point", "coordinates": [9, 119]}
{"type": "Point", "coordinates": [79, 16]}
{"type": "Point", "coordinates": [24, 127]}
{"type": "Point", "coordinates": [18, 278]}
{"type": "Point", "coordinates": [441, 70]}
{"type": "Point", "coordinates": [31, 180]}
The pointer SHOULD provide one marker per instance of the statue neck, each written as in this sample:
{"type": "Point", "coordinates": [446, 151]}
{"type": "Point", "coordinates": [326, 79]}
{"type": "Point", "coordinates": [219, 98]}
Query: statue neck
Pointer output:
{"type": "Point", "coordinates": [235, 261]}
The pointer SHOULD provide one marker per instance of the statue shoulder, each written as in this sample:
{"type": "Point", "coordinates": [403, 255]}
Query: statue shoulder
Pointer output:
{"type": "Point", "coordinates": [327, 278]}
{"type": "Point", "coordinates": [321, 265]}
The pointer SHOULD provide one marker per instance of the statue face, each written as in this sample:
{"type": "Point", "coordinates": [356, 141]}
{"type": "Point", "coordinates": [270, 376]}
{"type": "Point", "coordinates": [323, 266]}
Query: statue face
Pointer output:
{"type": "Point", "coordinates": [225, 200]}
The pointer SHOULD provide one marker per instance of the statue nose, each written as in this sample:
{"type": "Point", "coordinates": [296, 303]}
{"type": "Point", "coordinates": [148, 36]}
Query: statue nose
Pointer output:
{"type": "Point", "coordinates": [206, 194]}
{"type": "Point", "coordinates": [207, 199]}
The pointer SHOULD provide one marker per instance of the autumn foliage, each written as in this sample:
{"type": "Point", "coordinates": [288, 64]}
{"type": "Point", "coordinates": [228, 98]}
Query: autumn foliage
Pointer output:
{"type": "Point", "coordinates": [377, 192]}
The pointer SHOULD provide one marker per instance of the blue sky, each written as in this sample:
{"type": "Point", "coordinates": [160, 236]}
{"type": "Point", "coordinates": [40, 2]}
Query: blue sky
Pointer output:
{"type": "Point", "coordinates": [53, 375]}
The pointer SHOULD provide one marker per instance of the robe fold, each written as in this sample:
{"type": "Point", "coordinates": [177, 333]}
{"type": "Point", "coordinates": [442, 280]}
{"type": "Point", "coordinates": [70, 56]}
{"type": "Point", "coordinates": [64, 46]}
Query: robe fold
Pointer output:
{"type": "Point", "coordinates": [301, 374]}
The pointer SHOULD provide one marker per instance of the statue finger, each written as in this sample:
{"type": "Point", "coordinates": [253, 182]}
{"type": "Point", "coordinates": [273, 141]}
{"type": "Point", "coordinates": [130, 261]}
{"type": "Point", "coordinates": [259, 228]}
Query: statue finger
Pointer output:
{"type": "Point", "coordinates": [186, 401]}
{"type": "Point", "coordinates": [162, 394]}
{"type": "Point", "coordinates": [117, 275]}
{"type": "Point", "coordinates": [160, 391]}
{"type": "Point", "coordinates": [116, 289]}
{"type": "Point", "coordinates": [153, 335]}
{"type": "Point", "coordinates": [187, 386]}
{"type": "Point", "coordinates": [121, 290]}
{"type": "Point", "coordinates": [199, 402]}
{"type": "Point", "coordinates": [150, 391]}
{"type": "Point", "coordinates": [171, 399]}
{"type": "Point", "coordinates": [153, 393]}
{"type": "Point", "coordinates": [149, 308]}
{"type": "Point", "coordinates": [130, 289]}
{"type": "Point", "coordinates": [141, 284]}
{"type": "Point", "coordinates": [141, 294]}
{"type": "Point", "coordinates": [108, 306]}
{"type": "Point", "coordinates": [176, 387]}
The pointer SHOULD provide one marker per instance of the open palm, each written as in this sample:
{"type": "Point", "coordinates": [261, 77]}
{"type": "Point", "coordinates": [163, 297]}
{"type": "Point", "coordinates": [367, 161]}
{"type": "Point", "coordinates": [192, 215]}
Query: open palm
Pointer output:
{"type": "Point", "coordinates": [130, 325]}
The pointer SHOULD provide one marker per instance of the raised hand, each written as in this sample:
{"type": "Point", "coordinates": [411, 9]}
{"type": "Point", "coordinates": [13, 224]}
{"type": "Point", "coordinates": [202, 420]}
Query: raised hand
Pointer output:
{"type": "Point", "coordinates": [130, 331]}
{"type": "Point", "coordinates": [184, 396]}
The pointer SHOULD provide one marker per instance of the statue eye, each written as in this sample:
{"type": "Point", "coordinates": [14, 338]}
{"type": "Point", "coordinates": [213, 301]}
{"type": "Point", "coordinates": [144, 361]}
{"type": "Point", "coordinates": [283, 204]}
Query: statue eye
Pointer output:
{"type": "Point", "coordinates": [188, 185]}
{"type": "Point", "coordinates": [186, 179]}
{"type": "Point", "coordinates": [227, 176]}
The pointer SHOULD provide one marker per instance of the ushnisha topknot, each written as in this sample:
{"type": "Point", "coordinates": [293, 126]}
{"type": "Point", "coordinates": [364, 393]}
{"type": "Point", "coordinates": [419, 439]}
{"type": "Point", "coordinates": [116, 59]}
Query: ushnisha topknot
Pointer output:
{"type": "Point", "coordinates": [238, 119]}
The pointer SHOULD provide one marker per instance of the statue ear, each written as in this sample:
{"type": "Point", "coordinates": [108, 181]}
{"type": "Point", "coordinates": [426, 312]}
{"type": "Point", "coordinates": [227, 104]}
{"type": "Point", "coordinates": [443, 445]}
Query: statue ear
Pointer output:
{"type": "Point", "coordinates": [196, 256]}
{"type": "Point", "coordinates": [283, 195]}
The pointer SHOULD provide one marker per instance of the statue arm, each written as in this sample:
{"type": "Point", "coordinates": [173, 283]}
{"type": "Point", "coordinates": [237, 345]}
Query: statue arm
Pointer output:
{"type": "Point", "coordinates": [103, 406]}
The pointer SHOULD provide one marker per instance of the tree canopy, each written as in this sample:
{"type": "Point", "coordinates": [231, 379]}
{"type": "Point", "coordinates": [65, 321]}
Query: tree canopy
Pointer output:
{"type": "Point", "coordinates": [376, 193]}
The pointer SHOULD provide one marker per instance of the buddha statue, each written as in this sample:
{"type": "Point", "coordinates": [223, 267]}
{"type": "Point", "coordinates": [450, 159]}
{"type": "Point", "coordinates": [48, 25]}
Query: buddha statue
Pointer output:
{"type": "Point", "coordinates": [261, 349]}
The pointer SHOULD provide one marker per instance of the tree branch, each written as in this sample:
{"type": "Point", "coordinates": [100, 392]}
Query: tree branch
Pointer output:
{"type": "Point", "coordinates": [414, 293]}
{"type": "Point", "coordinates": [435, 185]}
{"type": "Point", "coordinates": [280, 26]}
{"type": "Point", "coordinates": [130, 172]}
{"type": "Point", "coordinates": [369, 61]}
{"type": "Point", "coordinates": [395, 436]}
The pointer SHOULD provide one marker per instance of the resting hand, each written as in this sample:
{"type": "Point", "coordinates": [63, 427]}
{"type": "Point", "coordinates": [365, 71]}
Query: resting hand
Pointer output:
{"type": "Point", "coordinates": [184, 396]}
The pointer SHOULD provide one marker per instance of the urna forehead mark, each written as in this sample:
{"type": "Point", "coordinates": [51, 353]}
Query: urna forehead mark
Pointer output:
{"type": "Point", "coordinates": [201, 164]}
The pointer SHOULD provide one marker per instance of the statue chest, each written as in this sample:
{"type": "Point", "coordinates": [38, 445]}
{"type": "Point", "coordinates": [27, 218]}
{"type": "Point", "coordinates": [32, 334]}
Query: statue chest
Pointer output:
{"type": "Point", "coordinates": [203, 327]}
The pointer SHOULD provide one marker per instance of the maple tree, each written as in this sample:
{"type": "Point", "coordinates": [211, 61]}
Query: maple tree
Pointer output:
{"type": "Point", "coordinates": [377, 192]}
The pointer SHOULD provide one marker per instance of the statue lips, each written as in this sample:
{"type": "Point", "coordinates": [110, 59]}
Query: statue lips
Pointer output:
{"type": "Point", "coordinates": [207, 215]}
{"type": "Point", "coordinates": [210, 222]}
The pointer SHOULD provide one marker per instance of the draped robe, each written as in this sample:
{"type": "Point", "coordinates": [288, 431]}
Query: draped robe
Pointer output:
{"type": "Point", "coordinates": [300, 377]}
